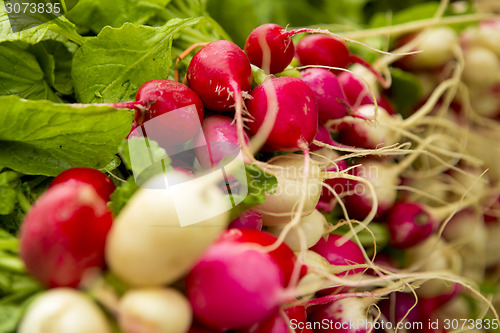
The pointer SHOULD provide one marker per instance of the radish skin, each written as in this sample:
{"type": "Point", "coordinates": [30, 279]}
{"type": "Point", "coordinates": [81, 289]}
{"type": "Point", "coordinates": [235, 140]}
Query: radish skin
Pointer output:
{"type": "Point", "coordinates": [63, 310]}
{"type": "Point", "coordinates": [148, 246]}
{"type": "Point", "coordinates": [154, 310]}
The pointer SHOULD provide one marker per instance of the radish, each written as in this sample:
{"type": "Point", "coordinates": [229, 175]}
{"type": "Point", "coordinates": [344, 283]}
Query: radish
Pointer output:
{"type": "Point", "coordinates": [329, 51]}
{"type": "Point", "coordinates": [224, 290]}
{"type": "Point", "coordinates": [482, 67]}
{"type": "Point", "coordinates": [219, 140]}
{"type": "Point", "coordinates": [312, 227]}
{"type": "Point", "coordinates": [294, 318]}
{"type": "Point", "coordinates": [63, 310]}
{"type": "Point", "coordinates": [399, 306]}
{"type": "Point", "coordinates": [340, 251]}
{"type": "Point", "coordinates": [98, 180]}
{"type": "Point", "coordinates": [62, 238]}
{"type": "Point", "coordinates": [348, 315]}
{"type": "Point", "coordinates": [332, 102]}
{"type": "Point", "coordinates": [154, 310]}
{"type": "Point", "coordinates": [296, 117]}
{"type": "Point", "coordinates": [270, 47]}
{"type": "Point", "coordinates": [283, 255]}
{"type": "Point", "coordinates": [437, 46]}
{"type": "Point", "coordinates": [278, 207]}
{"type": "Point", "coordinates": [410, 223]}
{"type": "Point", "coordinates": [218, 73]}
{"type": "Point", "coordinates": [337, 184]}
{"type": "Point", "coordinates": [158, 236]}
{"type": "Point", "coordinates": [251, 219]}
{"type": "Point", "coordinates": [323, 136]}
{"type": "Point", "coordinates": [384, 178]}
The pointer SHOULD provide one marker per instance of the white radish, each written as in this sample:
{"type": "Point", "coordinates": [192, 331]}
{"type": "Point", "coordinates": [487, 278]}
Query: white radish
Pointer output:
{"type": "Point", "coordinates": [154, 310]}
{"type": "Point", "coordinates": [436, 46]}
{"type": "Point", "coordinates": [279, 206]}
{"type": "Point", "coordinates": [64, 310]}
{"type": "Point", "coordinates": [148, 244]}
{"type": "Point", "coordinates": [312, 227]}
{"type": "Point", "coordinates": [482, 67]}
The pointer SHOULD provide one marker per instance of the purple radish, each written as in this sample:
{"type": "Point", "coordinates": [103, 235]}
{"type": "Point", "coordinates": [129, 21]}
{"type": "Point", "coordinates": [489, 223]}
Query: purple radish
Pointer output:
{"type": "Point", "coordinates": [224, 290]}
{"type": "Point", "coordinates": [409, 224]}
{"type": "Point", "coordinates": [296, 118]}
{"type": "Point", "coordinates": [251, 219]}
{"type": "Point", "coordinates": [332, 102]}
{"type": "Point", "coordinates": [270, 47]}
{"type": "Point", "coordinates": [218, 73]}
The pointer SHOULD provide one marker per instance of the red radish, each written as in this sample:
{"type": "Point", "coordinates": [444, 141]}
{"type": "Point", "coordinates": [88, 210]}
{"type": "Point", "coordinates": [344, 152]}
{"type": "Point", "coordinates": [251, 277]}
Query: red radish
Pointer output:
{"type": "Point", "coordinates": [219, 140]}
{"type": "Point", "coordinates": [338, 184]}
{"type": "Point", "coordinates": [224, 290]}
{"type": "Point", "coordinates": [492, 209]}
{"type": "Point", "coordinates": [410, 223]}
{"type": "Point", "coordinates": [332, 102]}
{"type": "Point", "coordinates": [251, 219]}
{"type": "Point", "coordinates": [98, 180]}
{"type": "Point", "coordinates": [153, 310]}
{"type": "Point", "coordinates": [296, 319]}
{"type": "Point", "coordinates": [329, 51]}
{"type": "Point", "coordinates": [218, 73]}
{"type": "Point", "coordinates": [64, 310]}
{"type": "Point", "coordinates": [63, 236]}
{"type": "Point", "coordinates": [283, 255]}
{"type": "Point", "coordinates": [296, 121]}
{"type": "Point", "coordinates": [355, 89]}
{"type": "Point", "coordinates": [270, 47]}
{"type": "Point", "coordinates": [340, 251]}
{"type": "Point", "coordinates": [176, 109]}
{"type": "Point", "coordinates": [348, 315]}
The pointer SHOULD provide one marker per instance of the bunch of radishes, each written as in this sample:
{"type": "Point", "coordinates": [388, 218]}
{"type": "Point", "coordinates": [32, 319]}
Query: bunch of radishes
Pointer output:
{"type": "Point", "coordinates": [280, 266]}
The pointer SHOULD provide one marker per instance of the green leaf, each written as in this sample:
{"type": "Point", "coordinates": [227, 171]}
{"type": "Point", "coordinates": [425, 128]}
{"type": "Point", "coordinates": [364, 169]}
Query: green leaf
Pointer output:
{"type": "Point", "coordinates": [54, 29]}
{"type": "Point", "coordinates": [44, 138]}
{"type": "Point", "coordinates": [260, 184]}
{"type": "Point", "coordinates": [21, 75]}
{"type": "Point", "coordinates": [405, 92]}
{"type": "Point", "coordinates": [96, 14]}
{"type": "Point", "coordinates": [405, 14]}
{"type": "Point", "coordinates": [113, 65]}
{"type": "Point", "coordinates": [121, 195]}
{"type": "Point", "coordinates": [7, 200]}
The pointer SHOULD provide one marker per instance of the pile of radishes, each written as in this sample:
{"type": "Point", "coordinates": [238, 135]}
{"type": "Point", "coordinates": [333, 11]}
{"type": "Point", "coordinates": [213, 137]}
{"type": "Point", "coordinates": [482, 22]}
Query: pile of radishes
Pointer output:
{"type": "Point", "coordinates": [308, 258]}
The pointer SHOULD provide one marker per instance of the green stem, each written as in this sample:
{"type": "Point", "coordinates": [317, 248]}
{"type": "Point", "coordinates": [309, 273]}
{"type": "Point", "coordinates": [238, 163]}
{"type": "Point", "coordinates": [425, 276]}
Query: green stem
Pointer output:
{"type": "Point", "coordinates": [23, 201]}
{"type": "Point", "coordinates": [11, 263]}
{"type": "Point", "coordinates": [9, 245]}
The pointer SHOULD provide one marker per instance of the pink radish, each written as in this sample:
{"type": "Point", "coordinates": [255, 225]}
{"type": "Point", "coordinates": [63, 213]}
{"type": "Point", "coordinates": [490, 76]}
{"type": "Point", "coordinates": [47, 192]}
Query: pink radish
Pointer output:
{"type": "Point", "coordinates": [341, 252]}
{"type": "Point", "coordinates": [218, 73]}
{"type": "Point", "coordinates": [176, 109]}
{"type": "Point", "coordinates": [219, 141]}
{"type": "Point", "coordinates": [296, 122]}
{"type": "Point", "coordinates": [251, 219]}
{"type": "Point", "coordinates": [323, 136]}
{"type": "Point", "coordinates": [98, 180]}
{"type": "Point", "coordinates": [332, 102]}
{"type": "Point", "coordinates": [410, 223]}
{"type": "Point", "coordinates": [224, 290]}
{"type": "Point", "coordinates": [63, 236]}
{"type": "Point", "coordinates": [270, 47]}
